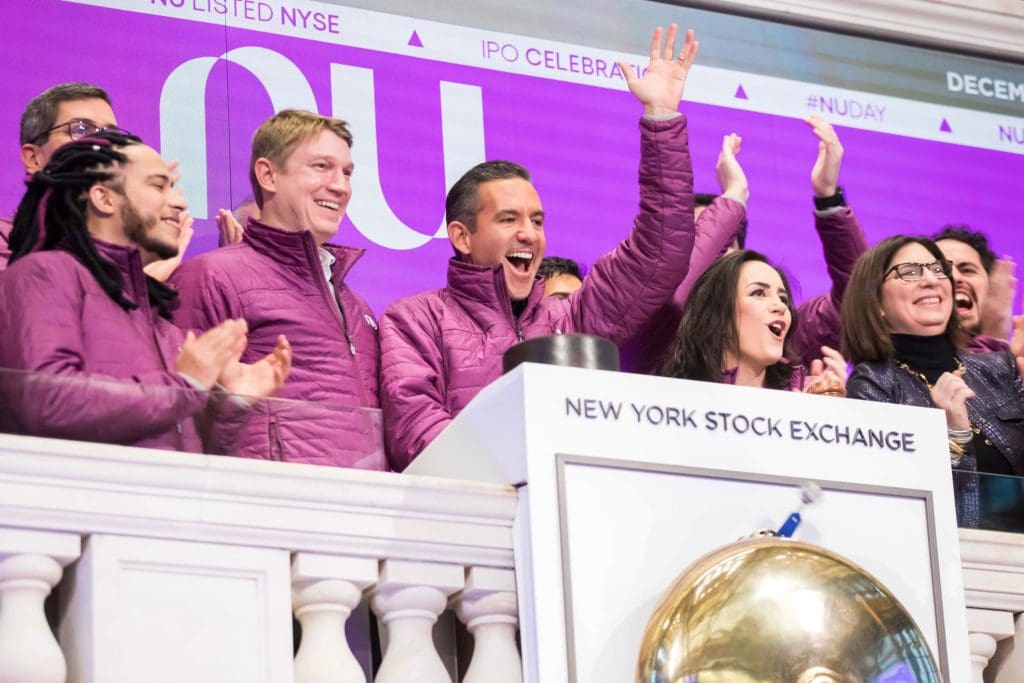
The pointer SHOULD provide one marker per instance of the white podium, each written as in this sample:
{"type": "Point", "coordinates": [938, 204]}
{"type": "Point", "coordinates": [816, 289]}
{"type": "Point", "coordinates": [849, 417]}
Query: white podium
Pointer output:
{"type": "Point", "coordinates": [627, 479]}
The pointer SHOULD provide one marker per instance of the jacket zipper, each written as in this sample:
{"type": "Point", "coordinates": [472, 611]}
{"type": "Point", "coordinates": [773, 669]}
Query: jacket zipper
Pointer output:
{"type": "Point", "coordinates": [339, 311]}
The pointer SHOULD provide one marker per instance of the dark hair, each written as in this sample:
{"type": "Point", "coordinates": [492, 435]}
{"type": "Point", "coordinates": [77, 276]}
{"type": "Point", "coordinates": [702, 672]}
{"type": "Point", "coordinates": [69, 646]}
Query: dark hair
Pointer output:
{"type": "Point", "coordinates": [708, 331]}
{"type": "Point", "coordinates": [556, 265]}
{"type": "Point", "coordinates": [975, 240]}
{"type": "Point", "coordinates": [463, 201]}
{"type": "Point", "coordinates": [704, 199]}
{"type": "Point", "coordinates": [866, 335]}
{"type": "Point", "coordinates": [41, 113]}
{"type": "Point", "coordinates": [53, 212]}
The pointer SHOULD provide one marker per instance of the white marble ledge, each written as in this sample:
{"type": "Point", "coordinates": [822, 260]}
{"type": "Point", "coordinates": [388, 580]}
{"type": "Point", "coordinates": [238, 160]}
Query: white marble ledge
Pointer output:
{"type": "Point", "coordinates": [86, 488]}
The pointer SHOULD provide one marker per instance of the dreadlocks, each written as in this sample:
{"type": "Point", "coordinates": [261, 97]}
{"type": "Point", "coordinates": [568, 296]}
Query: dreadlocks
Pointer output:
{"type": "Point", "coordinates": [53, 212]}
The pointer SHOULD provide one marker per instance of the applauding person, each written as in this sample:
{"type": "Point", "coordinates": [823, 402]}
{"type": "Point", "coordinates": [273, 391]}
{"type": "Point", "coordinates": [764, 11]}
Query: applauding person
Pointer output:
{"type": "Point", "coordinates": [85, 330]}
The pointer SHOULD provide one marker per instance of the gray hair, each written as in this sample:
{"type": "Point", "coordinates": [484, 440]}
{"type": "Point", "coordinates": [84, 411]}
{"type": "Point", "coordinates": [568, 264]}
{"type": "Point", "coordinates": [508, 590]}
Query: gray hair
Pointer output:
{"type": "Point", "coordinates": [41, 113]}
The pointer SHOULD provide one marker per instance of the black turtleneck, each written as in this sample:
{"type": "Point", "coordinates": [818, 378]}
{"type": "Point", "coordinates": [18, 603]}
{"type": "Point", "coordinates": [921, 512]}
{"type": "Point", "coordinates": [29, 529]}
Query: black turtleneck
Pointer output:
{"type": "Point", "coordinates": [518, 307]}
{"type": "Point", "coordinates": [932, 356]}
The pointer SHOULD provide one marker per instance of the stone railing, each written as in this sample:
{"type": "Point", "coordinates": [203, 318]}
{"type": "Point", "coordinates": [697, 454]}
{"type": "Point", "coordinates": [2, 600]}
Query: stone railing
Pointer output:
{"type": "Point", "coordinates": [181, 567]}
{"type": "Point", "coordinates": [175, 567]}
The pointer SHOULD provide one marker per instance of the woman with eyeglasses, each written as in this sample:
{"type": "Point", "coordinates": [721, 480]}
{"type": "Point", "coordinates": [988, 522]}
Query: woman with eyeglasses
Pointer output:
{"type": "Point", "coordinates": [900, 329]}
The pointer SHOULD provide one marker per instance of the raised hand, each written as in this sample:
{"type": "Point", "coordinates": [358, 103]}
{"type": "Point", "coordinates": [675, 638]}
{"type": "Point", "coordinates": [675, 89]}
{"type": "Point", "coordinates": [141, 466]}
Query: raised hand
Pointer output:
{"type": "Point", "coordinates": [825, 173]}
{"type": "Point", "coordinates": [827, 374]}
{"type": "Point", "coordinates": [662, 85]}
{"type": "Point", "coordinates": [231, 230]}
{"type": "Point", "coordinates": [731, 177]}
{"type": "Point", "coordinates": [161, 270]}
{"type": "Point", "coordinates": [204, 358]}
{"type": "Point", "coordinates": [997, 310]}
{"type": "Point", "coordinates": [262, 378]}
{"type": "Point", "coordinates": [950, 393]}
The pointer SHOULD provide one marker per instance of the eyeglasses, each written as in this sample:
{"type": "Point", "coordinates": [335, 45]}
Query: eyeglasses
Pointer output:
{"type": "Point", "coordinates": [912, 272]}
{"type": "Point", "coordinates": [80, 128]}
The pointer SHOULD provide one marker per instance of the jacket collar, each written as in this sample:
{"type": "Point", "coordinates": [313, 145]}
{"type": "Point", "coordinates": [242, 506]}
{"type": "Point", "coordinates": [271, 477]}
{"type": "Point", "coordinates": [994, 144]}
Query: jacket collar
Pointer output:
{"type": "Point", "coordinates": [298, 250]}
{"type": "Point", "coordinates": [129, 262]}
{"type": "Point", "coordinates": [486, 285]}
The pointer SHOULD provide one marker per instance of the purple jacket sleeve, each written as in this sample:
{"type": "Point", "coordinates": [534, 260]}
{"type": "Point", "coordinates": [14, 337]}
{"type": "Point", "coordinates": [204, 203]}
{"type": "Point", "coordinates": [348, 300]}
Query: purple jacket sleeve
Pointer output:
{"type": "Point", "coordinates": [205, 297]}
{"type": "Point", "coordinates": [40, 314]}
{"type": "Point", "coordinates": [412, 373]}
{"type": "Point", "coordinates": [628, 285]}
{"type": "Point", "coordinates": [819, 319]}
{"type": "Point", "coordinates": [716, 229]}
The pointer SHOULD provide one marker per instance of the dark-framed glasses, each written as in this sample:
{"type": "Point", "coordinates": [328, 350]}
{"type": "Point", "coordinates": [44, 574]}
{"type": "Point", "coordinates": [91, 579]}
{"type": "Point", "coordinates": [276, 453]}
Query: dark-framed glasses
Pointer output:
{"type": "Point", "coordinates": [80, 128]}
{"type": "Point", "coordinates": [912, 272]}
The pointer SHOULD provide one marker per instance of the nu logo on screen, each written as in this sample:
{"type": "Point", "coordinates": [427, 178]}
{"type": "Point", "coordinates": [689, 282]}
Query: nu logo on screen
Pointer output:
{"type": "Point", "coordinates": [183, 132]}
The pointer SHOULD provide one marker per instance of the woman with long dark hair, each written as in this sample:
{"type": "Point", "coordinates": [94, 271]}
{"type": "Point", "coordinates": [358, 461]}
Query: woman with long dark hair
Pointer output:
{"type": "Point", "coordinates": [736, 326]}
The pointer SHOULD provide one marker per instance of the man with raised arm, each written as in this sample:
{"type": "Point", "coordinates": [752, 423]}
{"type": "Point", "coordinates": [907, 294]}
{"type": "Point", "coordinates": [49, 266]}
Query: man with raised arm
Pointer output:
{"type": "Point", "coordinates": [439, 348]}
{"type": "Point", "coordinates": [86, 348]}
{"type": "Point", "coordinates": [286, 277]}
{"type": "Point", "coordinates": [59, 115]}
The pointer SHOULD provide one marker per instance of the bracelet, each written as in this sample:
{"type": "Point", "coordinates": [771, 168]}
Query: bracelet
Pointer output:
{"type": "Point", "coordinates": [956, 453]}
{"type": "Point", "coordinates": [960, 437]}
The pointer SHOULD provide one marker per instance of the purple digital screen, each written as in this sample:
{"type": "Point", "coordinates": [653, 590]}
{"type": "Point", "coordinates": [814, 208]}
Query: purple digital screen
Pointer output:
{"type": "Point", "coordinates": [580, 142]}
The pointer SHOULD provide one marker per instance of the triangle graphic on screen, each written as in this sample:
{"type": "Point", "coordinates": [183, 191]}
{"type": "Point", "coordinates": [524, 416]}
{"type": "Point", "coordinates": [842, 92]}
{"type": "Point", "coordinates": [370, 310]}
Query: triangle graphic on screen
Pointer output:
{"type": "Point", "coordinates": [741, 94]}
{"type": "Point", "coordinates": [945, 128]}
{"type": "Point", "coordinates": [414, 40]}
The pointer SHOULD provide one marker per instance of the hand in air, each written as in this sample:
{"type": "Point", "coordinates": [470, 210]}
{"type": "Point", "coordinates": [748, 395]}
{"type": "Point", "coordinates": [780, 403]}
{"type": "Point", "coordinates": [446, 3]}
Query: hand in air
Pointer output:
{"type": "Point", "coordinates": [827, 374]}
{"type": "Point", "coordinates": [230, 229]}
{"type": "Point", "coordinates": [163, 269]}
{"type": "Point", "coordinates": [262, 378]}
{"type": "Point", "coordinates": [204, 358]}
{"type": "Point", "coordinates": [950, 393]}
{"type": "Point", "coordinates": [997, 318]}
{"type": "Point", "coordinates": [731, 177]}
{"type": "Point", "coordinates": [662, 85]}
{"type": "Point", "coordinates": [825, 172]}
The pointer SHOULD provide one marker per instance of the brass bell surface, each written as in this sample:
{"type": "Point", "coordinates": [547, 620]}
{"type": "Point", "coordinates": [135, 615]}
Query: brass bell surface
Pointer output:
{"type": "Point", "coordinates": [773, 610]}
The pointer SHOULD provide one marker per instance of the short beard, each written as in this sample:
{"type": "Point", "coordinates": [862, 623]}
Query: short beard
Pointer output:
{"type": "Point", "coordinates": [139, 231]}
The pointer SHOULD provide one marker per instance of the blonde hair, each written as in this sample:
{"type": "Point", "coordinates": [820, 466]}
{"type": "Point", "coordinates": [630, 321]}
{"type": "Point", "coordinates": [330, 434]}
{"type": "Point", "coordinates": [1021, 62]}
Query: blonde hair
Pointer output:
{"type": "Point", "coordinates": [279, 135]}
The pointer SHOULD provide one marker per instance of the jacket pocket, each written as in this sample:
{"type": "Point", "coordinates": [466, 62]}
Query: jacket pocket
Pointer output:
{"type": "Point", "coordinates": [1010, 411]}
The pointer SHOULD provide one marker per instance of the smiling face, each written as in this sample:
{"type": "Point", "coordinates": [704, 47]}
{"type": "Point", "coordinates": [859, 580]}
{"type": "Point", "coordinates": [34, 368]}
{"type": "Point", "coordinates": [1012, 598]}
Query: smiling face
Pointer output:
{"type": "Point", "coordinates": [971, 281]}
{"type": "Point", "coordinates": [922, 307]}
{"type": "Point", "coordinates": [763, 318]}
{"type": "Point", "coordinates": [311, 189]}
{"type": "Point", "coordinates": [509, 230]}
{"type": "Point", "coordinates": [149, 204]}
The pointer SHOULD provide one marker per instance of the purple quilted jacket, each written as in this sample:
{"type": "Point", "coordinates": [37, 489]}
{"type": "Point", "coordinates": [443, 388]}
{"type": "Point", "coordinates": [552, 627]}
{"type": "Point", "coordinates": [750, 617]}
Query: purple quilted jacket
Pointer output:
{"type": "Point", "coordinates": [5, 248]}
{"type": "Point", "coordinates": [439, 348]}
{"type": "Point", "coordinates": [95, 372]}
{"type": "Point", "coordinates": [274, 280]}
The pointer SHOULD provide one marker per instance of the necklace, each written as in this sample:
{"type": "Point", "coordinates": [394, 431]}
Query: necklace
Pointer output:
{"type": "Point", "coordinates": [931, 387]}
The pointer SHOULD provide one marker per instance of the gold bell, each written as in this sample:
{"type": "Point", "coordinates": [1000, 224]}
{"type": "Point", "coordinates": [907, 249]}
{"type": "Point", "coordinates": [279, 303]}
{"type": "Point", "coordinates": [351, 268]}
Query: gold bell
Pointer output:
{"type": "Point", "coordinates": [774, 610]}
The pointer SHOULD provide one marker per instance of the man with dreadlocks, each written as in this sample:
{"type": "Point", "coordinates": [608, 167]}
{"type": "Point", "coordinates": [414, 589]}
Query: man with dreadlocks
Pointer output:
{"type": "Point", "coordinates": [59, 115]}
{"type": "Point", "coordinates": [286, 276]}
{"type": "Point", "coordinates": [88, 329]}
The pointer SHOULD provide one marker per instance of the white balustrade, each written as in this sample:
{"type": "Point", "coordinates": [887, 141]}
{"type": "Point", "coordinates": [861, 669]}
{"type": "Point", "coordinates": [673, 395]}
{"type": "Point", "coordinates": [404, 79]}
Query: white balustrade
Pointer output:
{"type": "Point", "coordinates": [488, 608]}
{"type": "Point", "coordinates": [408, 599]}
{"type": "Point", "coordinates": [325, 590]}
{"type": "Point", "coordinates": [170, 536]}
{"type": "Point", "coordinates": [31, 564]}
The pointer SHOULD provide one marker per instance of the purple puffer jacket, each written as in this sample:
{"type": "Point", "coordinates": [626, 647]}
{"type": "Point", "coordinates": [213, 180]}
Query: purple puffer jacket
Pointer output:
{"type": "Point", "coordinates": [983, 343]}
{"type": "Point", "coordinates": [715, 230]}
{"type": "Point", "coordinates": [95, 372]}
{"type": "Point", "coordinates": [274, 280]}
{"type": "Point", "coordinates": [819, 319]}
{"type": "Point", "coordinates": [5, 247]}
{"type": "Point", "coordinates": [438, 349]}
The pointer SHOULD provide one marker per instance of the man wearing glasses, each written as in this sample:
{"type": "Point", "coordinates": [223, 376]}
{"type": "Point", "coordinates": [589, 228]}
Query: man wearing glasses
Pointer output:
{"type": "Point", "coordinates": [63, 113]}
